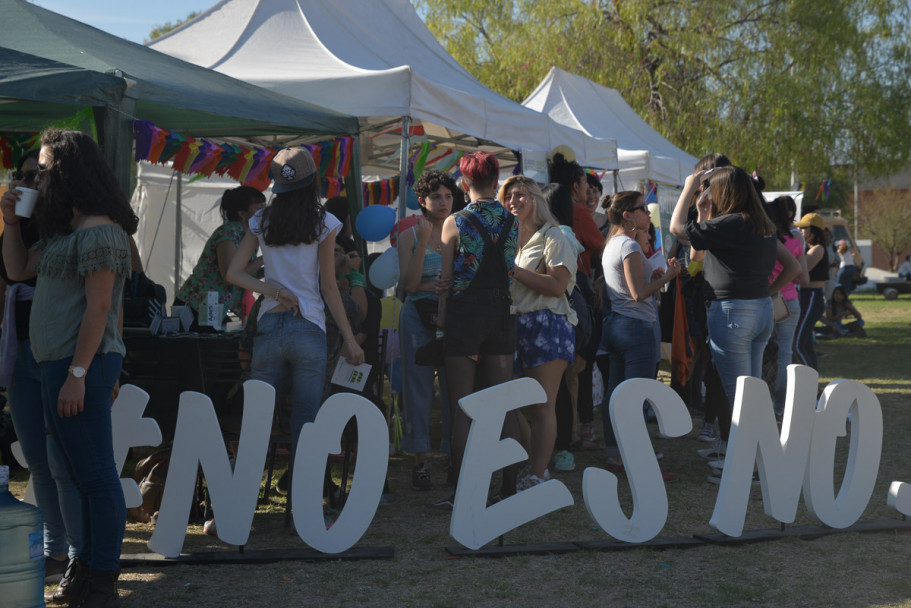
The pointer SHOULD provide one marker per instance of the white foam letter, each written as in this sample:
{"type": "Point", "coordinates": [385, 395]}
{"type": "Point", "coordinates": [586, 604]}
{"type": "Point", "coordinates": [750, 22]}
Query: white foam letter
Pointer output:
{"type": "Point", "coordinates": [754, 438]}
{"type": "Point", "coordinates": [474, 524]}
{"type": "Point", "coordinates": [864, 453]}
{"type": "Point", "coordinates": [131, 429]}
{"type": "Point", "coordinates": [317, 440]}
{"type": "Point", "coordinates": [599, 487]}
{"type": "Point", "coordinates": [198, 441]}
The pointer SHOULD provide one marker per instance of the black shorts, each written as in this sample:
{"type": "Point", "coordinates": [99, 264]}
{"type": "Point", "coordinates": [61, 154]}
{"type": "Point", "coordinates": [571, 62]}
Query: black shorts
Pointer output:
{"type": "Point", "coordinates": [479, 324]}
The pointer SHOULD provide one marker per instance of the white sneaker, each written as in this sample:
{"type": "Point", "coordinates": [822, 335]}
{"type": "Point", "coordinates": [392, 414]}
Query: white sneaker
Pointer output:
{"type": "Point", "coordinates": [532, 480]}
{"type": "Point", "coordinates": [717, 464]}
{"type": "Point", "coordinates": [717, 450]}
{"type": "Point", "coordinates": [707, 433]}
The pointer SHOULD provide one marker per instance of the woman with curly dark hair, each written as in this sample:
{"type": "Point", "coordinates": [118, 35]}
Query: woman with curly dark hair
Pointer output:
{"type": "Point", "coordinates": [297, 239]}
{"type": "Point", "coordinates": [420, 263]}
{"type": "Point", "coordinates": [81, 261]}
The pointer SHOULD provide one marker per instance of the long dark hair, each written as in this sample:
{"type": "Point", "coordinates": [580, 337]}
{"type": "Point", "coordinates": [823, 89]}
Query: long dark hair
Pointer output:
{"type": "Point", "coordinates": [566, 172]}
{"type": "Point", "coordinates": [295, 217]}
{"type": "Point", "coordinates": [560, 201]}
{"type": "Point", "coordinates": [733, 191]}
{"type": "Point", "coordinates": [79, 177]}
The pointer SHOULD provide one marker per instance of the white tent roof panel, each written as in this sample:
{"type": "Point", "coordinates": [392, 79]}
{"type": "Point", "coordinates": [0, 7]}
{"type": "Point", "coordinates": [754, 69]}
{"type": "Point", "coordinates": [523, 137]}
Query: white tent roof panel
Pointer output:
{"type": "Point", "coordinates": [371, 58]}
{"type": "Point", "coordinates": [602, 113]}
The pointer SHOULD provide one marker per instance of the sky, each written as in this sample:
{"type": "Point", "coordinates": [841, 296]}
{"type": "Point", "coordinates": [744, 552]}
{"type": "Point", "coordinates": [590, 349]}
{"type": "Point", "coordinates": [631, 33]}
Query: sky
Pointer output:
{"type": "Point", "coordinates": [130, 19]}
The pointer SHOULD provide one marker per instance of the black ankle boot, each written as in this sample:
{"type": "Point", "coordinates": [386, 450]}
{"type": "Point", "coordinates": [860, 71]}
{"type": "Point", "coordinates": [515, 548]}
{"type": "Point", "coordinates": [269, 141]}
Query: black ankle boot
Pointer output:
{"type": "Point", "coordinates": [100, 592]}
{"type": "Point", "coordinates": [73, 582]}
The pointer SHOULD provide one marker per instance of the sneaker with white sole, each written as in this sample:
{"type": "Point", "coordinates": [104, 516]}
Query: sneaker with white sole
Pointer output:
{"type": "Point", "coordinates": [443, 505]}
{"type": "Point", "coordinates": [717, 464]}
{"type": "Point", "coordinates": [707, 433]}
{"type": "Point", "coordinates": [718, 450]}
{"type": "Point", "coordinates": [564, 461]}
{"type": "Point", "coordinates": [532, 480]}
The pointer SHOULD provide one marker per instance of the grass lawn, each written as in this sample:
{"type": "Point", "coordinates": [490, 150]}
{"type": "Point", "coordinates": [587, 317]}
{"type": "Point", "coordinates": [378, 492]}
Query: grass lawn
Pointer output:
{"type": "Point", "coordinates": [848, 569]}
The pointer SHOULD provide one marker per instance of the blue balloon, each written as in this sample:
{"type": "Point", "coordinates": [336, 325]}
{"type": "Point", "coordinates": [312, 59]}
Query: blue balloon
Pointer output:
{"type": "Point", "coordinates": [374, 223]}
{"type": "Point", "coordinates": [411, 200]}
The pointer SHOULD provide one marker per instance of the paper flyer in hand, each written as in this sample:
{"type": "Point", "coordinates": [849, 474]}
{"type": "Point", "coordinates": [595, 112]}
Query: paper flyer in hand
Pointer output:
{"type": "Point", "coordinates": [350, 376]}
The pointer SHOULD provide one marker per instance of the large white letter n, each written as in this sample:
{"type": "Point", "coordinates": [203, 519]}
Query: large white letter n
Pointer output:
{"type": "Point", "coordinates": [198, 441]}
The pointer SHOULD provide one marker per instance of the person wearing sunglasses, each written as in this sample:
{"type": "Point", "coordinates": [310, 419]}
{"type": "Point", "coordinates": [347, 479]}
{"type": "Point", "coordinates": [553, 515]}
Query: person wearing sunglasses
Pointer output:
{"type": "Point", "coordinates": [629, 329]}
{"type": "Point", "coordinates": [55, 492]}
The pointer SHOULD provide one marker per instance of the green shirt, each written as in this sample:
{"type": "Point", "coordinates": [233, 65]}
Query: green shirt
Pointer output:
{"type": "Point", "coordinates": [59, 303]}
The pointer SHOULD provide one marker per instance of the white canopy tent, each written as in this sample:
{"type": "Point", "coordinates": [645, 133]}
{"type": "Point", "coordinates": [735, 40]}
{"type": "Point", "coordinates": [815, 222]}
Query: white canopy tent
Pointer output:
{"type": "Point", "coordinates": [377, 60]}
{"type": "Point", "coordinates": [602, 113]}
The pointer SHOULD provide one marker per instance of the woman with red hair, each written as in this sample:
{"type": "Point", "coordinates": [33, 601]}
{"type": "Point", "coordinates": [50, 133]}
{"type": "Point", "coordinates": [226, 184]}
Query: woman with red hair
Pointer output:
{"type": "Point", "coordinates": [479, 251]}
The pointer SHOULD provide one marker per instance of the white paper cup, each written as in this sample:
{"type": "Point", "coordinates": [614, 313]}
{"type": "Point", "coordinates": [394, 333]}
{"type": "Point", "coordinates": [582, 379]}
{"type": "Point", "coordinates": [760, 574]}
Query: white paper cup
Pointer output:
{"type": "Point", "coordinates": [28, 197]}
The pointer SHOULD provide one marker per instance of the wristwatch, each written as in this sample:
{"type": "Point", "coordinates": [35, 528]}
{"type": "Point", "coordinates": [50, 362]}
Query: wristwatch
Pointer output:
{"type": "Point", "coordinates": [77, 372]}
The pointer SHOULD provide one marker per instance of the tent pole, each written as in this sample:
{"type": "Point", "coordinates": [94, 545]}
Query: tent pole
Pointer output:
{"type": "Point", "coordinates": [403, 167]}
{"type": "Point", "coordinates": [354, 190]}
{"type": "Point", "coordinates": [117, 140]}
{"type": "Point", "coordinates": [178, 231]}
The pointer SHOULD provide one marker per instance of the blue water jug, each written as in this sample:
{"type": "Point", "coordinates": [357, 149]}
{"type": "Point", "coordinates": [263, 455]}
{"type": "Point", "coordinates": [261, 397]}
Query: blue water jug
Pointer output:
{"type": "Point", "coordinates": [21, 550]}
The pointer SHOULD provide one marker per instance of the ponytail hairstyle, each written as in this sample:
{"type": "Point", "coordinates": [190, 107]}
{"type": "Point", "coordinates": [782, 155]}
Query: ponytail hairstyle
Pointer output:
{"type": "Point", "coordinates": [619, 203]}
{"type": "Point", "coordinates": [560, 201]}
{"type": "Point", "coordinates": [733, 191]}
{"type": "Point", "coordinates": [566, 172]}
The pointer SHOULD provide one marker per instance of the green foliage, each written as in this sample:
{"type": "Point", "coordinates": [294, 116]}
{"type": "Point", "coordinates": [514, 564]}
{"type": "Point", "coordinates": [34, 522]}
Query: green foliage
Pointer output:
{"type": "Point", "coordinates": [775, 84]}
{"type": "Point", "coordinates": [161, 30]}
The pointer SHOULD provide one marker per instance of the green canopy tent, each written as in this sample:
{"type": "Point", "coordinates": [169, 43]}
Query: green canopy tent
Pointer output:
{"type": "Point", "coordinates": [156, 87]}
{"type": "Point", "coordinates": [51, 66]}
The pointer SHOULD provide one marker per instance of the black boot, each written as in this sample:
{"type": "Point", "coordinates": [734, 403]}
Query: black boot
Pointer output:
{"type": "Point", "coordinates": [73, 582]}
{"type": "Point", "coordinates": [100, 592]}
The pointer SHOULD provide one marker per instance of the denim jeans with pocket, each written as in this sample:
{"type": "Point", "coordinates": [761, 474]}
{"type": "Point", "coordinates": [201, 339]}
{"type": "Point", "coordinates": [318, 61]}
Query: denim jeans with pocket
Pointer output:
{"type": "Point", "coordinates": [289, 352]}
{"type": "Point", "coordinates": [785, 332]}
{"type": "Point", "coordinates": [417, 385]}
{"type": "Point", "coordinates": [87, 443]}
{"type": "Point", "coordinates": [738, 333]}
{"type": "Point", "coordinates": [632, 349]}
{"type": "Point", "coordinates": [55, 492]}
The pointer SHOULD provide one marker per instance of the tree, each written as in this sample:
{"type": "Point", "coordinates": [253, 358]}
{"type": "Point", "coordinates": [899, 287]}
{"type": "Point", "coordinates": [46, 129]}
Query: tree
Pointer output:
{"type": "Point", "coordinates": [886, 220]}
{"type": "Point", "coordinates": [160, 30]}
{"type": "Point", "coordinates": [776, 84]}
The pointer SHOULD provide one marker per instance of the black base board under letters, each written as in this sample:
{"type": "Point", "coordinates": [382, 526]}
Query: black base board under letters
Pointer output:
{"type": "Point", "coordinates": [262, 556]}
{"type": "Point", "coordinates": [806, 532]}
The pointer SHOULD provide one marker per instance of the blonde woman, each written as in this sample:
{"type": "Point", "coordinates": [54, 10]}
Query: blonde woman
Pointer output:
{"type": "Point", "coordinates": [545, 342]}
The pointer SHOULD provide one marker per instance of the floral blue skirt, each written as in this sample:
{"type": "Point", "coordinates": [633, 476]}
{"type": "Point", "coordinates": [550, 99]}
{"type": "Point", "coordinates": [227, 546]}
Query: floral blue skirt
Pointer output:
{"type": "Point", "coordinates": [543, 336]}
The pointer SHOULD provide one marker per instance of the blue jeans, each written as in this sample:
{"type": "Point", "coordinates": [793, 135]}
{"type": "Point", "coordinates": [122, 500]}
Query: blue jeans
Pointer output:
{"type": "Point", "coordinates": [738, 333]}
{"type": "Point", "coordinates": [55, 491]}
{"type": "Point", "coordinates": [812, 305]}
{"type": "Point", "coordinates": [845, 278]}
{"type": "Point", "coordinates": [87, 444]}
{"type": "Point", "coordinates": [632, 349]}
{"type": "Point", "coordinates": [289, 349]}
{"type": "Point", "coordinates": [417, 385]}
{"type": "Point", "coordinates": [785, 331]}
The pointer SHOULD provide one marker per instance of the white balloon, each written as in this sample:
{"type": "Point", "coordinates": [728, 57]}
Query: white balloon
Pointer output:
{"type": "Point", "coordinates": [384, 272]}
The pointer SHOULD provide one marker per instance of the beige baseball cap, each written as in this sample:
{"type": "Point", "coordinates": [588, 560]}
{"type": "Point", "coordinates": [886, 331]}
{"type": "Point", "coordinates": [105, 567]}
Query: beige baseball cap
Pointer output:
{"type": "Point", "coordinates": [292, 169]}
{"type": "Point", "coordinates": [811, 219]}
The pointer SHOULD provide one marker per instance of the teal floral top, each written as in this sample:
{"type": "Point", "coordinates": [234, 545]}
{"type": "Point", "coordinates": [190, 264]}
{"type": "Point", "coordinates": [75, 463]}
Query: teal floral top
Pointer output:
{"type": "Point", "coordinates": [205, 276]}
{"type": "Point", "coordinates": [471, 243]}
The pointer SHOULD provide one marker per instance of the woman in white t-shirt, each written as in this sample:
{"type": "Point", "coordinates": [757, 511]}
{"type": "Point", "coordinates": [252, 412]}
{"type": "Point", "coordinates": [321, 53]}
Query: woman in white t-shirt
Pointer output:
{"type": "Point", "coordinates": [297, 239]}
{"type": "Point", "coordinates": [630, 328]}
